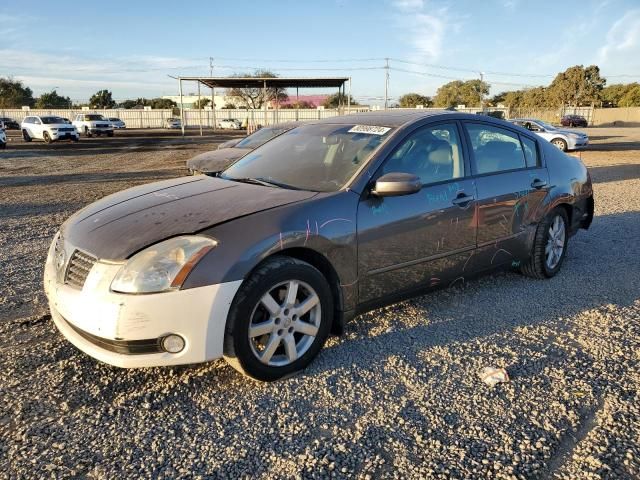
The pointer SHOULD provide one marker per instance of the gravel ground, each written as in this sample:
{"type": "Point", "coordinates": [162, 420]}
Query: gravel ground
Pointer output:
{"type": "Point", "coordinates": [397, 396]}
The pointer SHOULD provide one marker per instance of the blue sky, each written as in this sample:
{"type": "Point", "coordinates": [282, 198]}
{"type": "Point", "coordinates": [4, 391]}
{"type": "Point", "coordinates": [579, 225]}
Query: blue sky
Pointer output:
{"type": "Point", "coordinates": [130, 47]}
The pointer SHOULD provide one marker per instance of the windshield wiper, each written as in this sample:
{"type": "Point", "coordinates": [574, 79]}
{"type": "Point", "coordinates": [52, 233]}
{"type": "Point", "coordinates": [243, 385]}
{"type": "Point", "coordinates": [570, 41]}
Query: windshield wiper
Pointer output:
{"type": "Point", "coordinates": [260, 181]}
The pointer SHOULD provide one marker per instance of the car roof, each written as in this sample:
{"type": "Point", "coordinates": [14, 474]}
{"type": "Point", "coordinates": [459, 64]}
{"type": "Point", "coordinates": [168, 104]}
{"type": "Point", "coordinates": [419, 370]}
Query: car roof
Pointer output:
{"type": "Point", "coordinates": [387, 118]}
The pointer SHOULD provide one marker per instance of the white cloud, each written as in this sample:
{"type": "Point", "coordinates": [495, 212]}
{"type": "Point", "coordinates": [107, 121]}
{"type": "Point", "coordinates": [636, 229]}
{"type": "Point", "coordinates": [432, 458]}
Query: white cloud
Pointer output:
{"type": "Point", "coordinates": [623, 38]}
{"type": "Point", "coordinates": [80, 76]}
{"type": "Point", "coordinates": [423, 26]}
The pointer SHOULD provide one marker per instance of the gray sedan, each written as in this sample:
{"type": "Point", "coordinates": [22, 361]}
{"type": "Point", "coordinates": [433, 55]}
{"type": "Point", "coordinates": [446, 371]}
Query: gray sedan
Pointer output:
{"type": "Point", "coordinates": [260, 263]}
{"type": "Point", "coordinates": [563, 139]}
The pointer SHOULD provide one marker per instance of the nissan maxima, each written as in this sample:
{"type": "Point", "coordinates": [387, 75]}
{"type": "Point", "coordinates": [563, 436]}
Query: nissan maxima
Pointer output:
{"type": "Point", "coordinates": [261, 262]}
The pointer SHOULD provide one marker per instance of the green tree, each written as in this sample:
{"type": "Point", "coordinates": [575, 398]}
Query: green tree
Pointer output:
{"type": "Point", "coordinates": [162, 103]}
{"type": "Point", "coordinates": [203, 102]}
{"type": "Point", "coordinates": [102, 99]}
{"type": "Point", "coordinates": [458, 92]}
{"type": "Point", "coordinates": [411, 100]}
{"type": "Point", "coordinates": [611, 95]}
{"type": "Point", "coordinates": [257, 97]}
{"type": "Point", "coordinates": [14, 95]}
{"type": "Point", "coordinates": [576, 86]}
{"type": "Point", "coordinates": [333, 101]}
{"type": "Point", "coordinates": [632, 97]}
{"type": "Point", "coordinates": [52, 100]}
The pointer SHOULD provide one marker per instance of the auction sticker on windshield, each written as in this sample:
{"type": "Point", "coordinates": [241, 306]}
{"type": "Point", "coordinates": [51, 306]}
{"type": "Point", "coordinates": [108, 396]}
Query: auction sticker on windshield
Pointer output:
{"type": "Point", "coordinates": [370, 129]}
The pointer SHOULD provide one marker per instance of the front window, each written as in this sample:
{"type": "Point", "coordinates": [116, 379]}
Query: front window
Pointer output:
{"type": "Point", "coordinates": [319, 158]}
{"type": "Point", "coordinates": [51, 120]}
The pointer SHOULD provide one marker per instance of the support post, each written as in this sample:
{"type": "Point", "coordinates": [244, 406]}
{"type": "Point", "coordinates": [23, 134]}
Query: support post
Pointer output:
{"type": "Point", "coordinates": [386, 84]}
{"type": "Point", "coordinates": [264, 99]}
{"type": "Point", "coordinates": [199, 109]}
{"type": "Point", "coordinates": [349, 97]}
{"type": "Point", "coordinates": [297, 104]}
{"type": "Point", "coordinates": [181, 108]}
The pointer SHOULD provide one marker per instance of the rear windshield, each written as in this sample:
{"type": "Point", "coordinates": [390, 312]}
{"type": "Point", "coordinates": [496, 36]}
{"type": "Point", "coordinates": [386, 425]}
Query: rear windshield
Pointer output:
{"type": "Point", "coordinates": [261, 136]}
{"type": "Point", "coordinates": [114, 119]}
{"type": "Point", "coordinates": [319, 158]}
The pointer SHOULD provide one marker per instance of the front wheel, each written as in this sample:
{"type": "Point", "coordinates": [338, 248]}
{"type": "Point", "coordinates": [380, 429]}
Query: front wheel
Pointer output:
{"type": "Point", "coordinates": [279, 320]}
{"type": "Point", "coordinates": [560, 144]}
{"type": "Point", "coordinates": [87, 132]}
{"type": "Point", "coordinates": [109, 134]}
{"type": "Point", "coordinates": [549, 246]}
{"type": "Point", "coordinates": [46, 137]}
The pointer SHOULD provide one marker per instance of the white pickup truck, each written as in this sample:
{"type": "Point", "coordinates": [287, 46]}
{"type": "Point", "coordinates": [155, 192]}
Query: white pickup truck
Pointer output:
{"type": "Point", "coordinates": [91, 124]}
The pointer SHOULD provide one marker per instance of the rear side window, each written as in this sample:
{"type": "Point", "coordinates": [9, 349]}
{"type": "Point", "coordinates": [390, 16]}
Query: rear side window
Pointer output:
{"type": "Point", "coordinates": [530, 152]}
{"type": "Point", "coordinates": [495, 149]}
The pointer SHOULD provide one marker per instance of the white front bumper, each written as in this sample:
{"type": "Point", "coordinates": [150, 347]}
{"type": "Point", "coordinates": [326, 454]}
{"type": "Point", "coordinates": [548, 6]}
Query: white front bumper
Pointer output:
{"type": "Point", "coordinates": [198, 315]}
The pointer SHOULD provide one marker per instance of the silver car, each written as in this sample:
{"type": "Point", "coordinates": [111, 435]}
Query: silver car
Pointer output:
{"type": "Point", "coordinates": [563, 139]}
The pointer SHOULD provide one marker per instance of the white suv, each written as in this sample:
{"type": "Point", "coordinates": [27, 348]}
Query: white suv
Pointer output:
{"type": "Point", "coordinates": [47, 128]}
{"type": "Point", "coordinates": [93, 124]}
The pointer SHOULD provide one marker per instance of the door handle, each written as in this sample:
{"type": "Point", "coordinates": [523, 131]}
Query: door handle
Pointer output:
{"type": "Point", "coordinates": [462, 200]}
{"type": "Point", "coordinates": [538, 184]}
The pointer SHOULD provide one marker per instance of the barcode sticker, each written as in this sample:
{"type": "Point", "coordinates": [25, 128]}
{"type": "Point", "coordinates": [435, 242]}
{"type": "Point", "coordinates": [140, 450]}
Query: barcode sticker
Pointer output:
{"type": "Point", "coordinates": [370, 129]}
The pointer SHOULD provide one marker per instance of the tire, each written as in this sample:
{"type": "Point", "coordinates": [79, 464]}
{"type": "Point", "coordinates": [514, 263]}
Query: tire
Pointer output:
{"type": "Point", "coordinates": [3, 145]}
{"type": "Point", "coordinates": [285, 344]}
{"type": "Point", "coordinates": [46, 137]}
{"type": "Point", "coordinates": [109, 134]}
{"type": "Point", "coordinates": [538, 265]}
{"type": "Point", "coordinates": [87, 132]}
{"type": "Point", "coordinates": [26, 136]}
{"type": "Point", "coordinates": [76, 139]}
{"type": "Point", "coordinates": [560, 144]}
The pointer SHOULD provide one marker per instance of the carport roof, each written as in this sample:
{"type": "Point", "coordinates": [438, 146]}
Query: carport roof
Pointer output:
{"type": "Point", "coordinates": [280, 82]}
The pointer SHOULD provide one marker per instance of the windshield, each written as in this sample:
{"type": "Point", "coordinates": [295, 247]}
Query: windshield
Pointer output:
{"type": "Point", "coordinates": [114, 119]}
{"type": "Point", "coordinates": [52, 120]}
{"type": "Point", "coordinates": [93, 117]}
{"type": "Point", "coordinates": [545, 125]}
{"type": "Point", "coordinates": [320, 158]}
{"type": "Point", "coordinates": [261, 136]}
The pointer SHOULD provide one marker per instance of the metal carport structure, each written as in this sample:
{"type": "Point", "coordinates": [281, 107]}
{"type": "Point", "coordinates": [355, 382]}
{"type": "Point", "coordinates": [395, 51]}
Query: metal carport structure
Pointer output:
{"type": "Point", "coordinates": [264, 83]}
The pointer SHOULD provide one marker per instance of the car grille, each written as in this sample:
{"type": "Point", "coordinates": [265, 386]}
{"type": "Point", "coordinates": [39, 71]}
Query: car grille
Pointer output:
{"type": "Point", "coordinates": [127, 347]}
{"type": "Point", "coordinates": [78, 269]}
{"type": "Point", "coordinates": [102, 125]}
{"type": "Point", "coordinates": [65, 129]}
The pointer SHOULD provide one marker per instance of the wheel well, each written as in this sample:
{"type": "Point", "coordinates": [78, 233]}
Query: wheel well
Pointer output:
{"type": "Point", "coordinates": [569, 211]}
{"type": "Point", "coordinates": [320, 262]}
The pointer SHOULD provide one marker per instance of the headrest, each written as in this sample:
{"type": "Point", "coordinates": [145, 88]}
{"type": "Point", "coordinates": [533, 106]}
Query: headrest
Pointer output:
{"type": "Point", "coordinates": [440, 153]}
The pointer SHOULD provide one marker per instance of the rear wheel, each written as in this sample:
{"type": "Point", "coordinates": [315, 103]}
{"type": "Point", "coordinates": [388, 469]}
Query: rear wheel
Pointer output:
{"type": "Point", "coordinates": [549, 246]}
{"type": "Point", "coordinates": [279, 320]}
{"type": "Point", "coordinates": [25, 136]}
{"type": "Point", "coordinates": [87, 132]}
{"type": "Point", "coordinates": [560, 144]}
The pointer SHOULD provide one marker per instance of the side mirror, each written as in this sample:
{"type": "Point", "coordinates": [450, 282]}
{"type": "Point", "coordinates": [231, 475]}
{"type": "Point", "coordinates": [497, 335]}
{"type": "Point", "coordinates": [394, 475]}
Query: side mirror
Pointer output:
{"type": "Point", "coordinates": [396, 184]}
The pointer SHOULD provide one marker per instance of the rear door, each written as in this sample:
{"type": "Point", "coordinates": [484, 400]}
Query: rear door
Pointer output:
{"type": "Point", "coordinates": [511, 184]}
{"type": "Point", "coordinates": [423, 239]}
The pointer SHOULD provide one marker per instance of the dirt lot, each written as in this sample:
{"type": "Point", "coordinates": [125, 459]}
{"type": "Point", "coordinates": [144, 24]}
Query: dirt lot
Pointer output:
{"type": "Point", "coordinates": [397, 396]}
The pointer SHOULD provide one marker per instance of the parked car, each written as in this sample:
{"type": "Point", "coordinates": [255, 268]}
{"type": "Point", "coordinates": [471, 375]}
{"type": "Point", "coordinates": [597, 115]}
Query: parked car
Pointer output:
{"type": "Point", "coordinates": [230, 124]}
{"type": "Point", "coordinates": [574, 121]}
{"type": "Point", "coordinates": [9, 123]}
{"type": "Point", "coordinates": [330, 219]}
{"type": "Point", "coordinates": [116, 122]}
{"type": "Point", "coordinates": [173, 123]}
{"type": "Point", "coordinates": [564, 140]}
{"type": "Point", "coordinates": [91, 124]}
{"type": "Point", "coordinates": [47, 128]}
{"type": "Point", "coordinates": [231, 150]}
{"type": "Point", "coordinates": [3, 139]}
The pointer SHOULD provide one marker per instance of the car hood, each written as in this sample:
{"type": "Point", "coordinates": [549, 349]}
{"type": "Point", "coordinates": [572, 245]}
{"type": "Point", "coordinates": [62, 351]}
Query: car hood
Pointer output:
{"type": "Point", "coordinates": [121, 224]}
{"type": "Point", "coordinates": [216, 160]}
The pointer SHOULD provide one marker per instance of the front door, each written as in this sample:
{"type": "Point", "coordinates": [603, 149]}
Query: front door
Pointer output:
{"type": "Point", "coordinates": [423, 239]}
{"type": "Point", "coordinates": [511, 185]}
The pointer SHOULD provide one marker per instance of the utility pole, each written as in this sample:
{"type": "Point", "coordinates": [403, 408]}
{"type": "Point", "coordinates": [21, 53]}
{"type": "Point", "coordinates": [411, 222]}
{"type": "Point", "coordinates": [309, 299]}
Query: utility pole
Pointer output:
{"type": "Point", "coordinates": [481, 94]}
{"type": "Point", "coordinates": [386, 83]}
{"type": "Point", "coordinates": [213, 95]}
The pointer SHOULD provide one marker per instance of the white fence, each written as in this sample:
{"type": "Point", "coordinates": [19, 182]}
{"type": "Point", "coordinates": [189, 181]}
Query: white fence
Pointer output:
{"type": "Point", "coordinates": [132, 118]}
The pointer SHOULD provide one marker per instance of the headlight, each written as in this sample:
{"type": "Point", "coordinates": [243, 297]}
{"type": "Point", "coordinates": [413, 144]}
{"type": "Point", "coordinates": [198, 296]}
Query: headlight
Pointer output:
{"type": "Point", "coordinates": [163, 266]}
{"type": "Point", "coordinates": [53, 129]}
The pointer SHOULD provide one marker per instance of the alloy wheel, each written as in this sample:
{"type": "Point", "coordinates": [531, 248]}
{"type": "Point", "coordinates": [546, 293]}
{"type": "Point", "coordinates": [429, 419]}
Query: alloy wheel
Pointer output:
{"type": "Point", "coordinates": [284, 323]}
{"type": "Point", "coordinates": [555, 242]}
